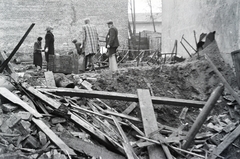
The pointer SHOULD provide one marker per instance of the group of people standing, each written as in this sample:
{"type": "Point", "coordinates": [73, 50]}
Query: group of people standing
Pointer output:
{"type": "Point", "coordinates": [88, 48]}
{"type": "Point", "coordinates": [48, 48]}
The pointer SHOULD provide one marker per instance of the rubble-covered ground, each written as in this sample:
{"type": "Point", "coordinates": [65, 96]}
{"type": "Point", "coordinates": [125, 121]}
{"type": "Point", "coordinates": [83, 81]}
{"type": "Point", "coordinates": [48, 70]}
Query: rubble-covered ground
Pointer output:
{"type": "Point", "coordinates": [192, 79]}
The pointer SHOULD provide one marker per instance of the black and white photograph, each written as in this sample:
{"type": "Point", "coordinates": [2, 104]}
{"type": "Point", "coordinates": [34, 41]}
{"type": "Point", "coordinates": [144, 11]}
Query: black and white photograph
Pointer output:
{"type": "Point", "coordinates": [119, 79]}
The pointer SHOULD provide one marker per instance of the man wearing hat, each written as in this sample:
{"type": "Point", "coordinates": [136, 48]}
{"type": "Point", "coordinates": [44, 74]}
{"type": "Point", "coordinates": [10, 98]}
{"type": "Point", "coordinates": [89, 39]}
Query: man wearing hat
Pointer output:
{"type": "Point", "coordinates": [112, 44]}
{"type": "Point", "coordinates": [49, 43]}
{"type": "Point", "coordinates": [37, 53]}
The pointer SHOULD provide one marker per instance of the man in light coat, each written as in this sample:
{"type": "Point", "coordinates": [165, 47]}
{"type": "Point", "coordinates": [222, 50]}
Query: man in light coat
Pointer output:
{"type": "Point", "coordinates": [90, 43]}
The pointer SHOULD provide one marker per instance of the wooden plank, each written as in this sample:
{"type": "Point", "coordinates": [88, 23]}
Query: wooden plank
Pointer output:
{"type": "Point", "coordinates": [226, 84]}
{"type": "Point", "coordinates": [226, 142]}
{"type": "Point", "coordinates": [122, 96]}
{"type": "Point", "coordinates": [129, 109]}
{"type": "Point", "coordinates": [16, 100]}
{"type": "Point", "coordinates": [53, 137]}
{"type": "Point", "coordinates": [150, 123]}
{"type": "Point", "coordinates": [9, 67]}
{"type": "Point", "coordinates": [49, 79]}
{"type": "Point", "coordinates": [44, 98]}
{"type": "Point", "coordinates": [101, 137]}
{"type": "Point", "coordinates": [89, 148]}
{"type": "Point", "coordinates": [122, 115]}
{"type": "Point", "coordinates": [126, 145]}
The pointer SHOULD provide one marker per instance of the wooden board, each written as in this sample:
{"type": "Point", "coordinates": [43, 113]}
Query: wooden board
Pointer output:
{"type": "Point", "coordinates": [95, 132]}
{"type": "Point", "coordinates": [226, 142]}
{"type": "Point", "coordinates": [89, 149]}
{"type": "Point", "coordinates": [49, 79]}
{"type": "Point", "coordinates": [44, 98]}
{"type": "Point", "coordinates": [149, 122]}
{"type": "Point", "coordinates": [123, 96]}
{"type": "Point", "coordinates": [53, 137]}
{"type": "Point", "coordinates": [129, 109]}
{"type": "Point", "coordinates": [16, 100]}
{"type": "Point", "coordinates": [126, 145]}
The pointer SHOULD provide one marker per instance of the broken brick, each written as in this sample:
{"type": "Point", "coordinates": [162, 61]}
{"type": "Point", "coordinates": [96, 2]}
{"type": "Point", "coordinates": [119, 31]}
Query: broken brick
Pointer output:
{"type": "Point", "coordinates": [13, 120]}
{"type": "Point", "coordinates": [42, 138]}
{"type": "Point", "coordinates": [24, 115]}
{"type": "Point", "coordinates": [58, 120]}
{"type": "Point", "coordinates": [9, 107]}
{"type": "Point", "coordinates": [59, 128]}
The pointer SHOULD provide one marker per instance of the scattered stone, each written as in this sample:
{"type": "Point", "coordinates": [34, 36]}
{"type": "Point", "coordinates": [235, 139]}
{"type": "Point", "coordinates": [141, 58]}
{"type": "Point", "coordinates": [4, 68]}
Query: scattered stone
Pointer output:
{"type": "Point", "coordinates": [229, 128]}
{"type": "Point", "coordinates": [59, 128]}
{"type": "Point", "coordinates": [9, 107]}
{"type": "Point", "coordinates": [26, 125]}
{"type": "Point", "coordinates": [11, 147]}
{"type": "Point", "coordinates": [58, 120]}
{"type": "Point", "coordinates": [42, 138]}
{"type": "Point", "coordinates": [81, 135]}
{"type": "Point", "coordinates": [12, 121]}
{"type": "Point", "coordinates": [58, 155]}
{"type": "Point", "coordinates": [44, 156]}
{"type": "Point", "coordinates": [31, 142]}
{"type": "Point", "coordinates": [217, 128]}
{"type": "Point", "coordinates": [24, 115]}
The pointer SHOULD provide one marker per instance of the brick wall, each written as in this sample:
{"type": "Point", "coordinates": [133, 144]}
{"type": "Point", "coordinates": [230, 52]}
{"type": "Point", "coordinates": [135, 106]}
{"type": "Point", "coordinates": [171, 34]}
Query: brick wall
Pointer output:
{"type": "Point", "coordinates": [182, 17]}
{"type": "Point", "coordinates": [66, 16]}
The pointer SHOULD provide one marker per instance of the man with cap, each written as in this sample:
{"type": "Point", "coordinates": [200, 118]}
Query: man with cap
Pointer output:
{"type": "Point", "coordinates": [90, 43]}
{"type": "Point", "coordinates": [112, 44]}
{"type": "Point", "coordinates": [49, 43]}
{"type": "Point", "coordinates": [37, 53]}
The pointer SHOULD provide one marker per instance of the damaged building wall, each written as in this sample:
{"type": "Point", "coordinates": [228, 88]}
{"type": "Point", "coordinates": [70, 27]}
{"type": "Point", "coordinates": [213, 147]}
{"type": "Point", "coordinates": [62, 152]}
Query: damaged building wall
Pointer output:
{"type": "Point", "coordinates": [182, 17]}
{"type": "Point", "coordinates": [66, 16]}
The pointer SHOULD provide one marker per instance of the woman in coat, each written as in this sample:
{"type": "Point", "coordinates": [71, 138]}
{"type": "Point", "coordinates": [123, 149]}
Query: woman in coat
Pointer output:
{"type": "Point", "coordinates": [37, 53]}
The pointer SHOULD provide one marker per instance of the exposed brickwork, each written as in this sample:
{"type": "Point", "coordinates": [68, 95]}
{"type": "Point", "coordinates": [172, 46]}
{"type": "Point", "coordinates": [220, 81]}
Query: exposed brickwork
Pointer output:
{"type": "Point", "coordinates": [66, 16]}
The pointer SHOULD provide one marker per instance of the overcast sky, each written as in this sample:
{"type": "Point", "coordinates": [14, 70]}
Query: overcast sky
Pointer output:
{"type": "Point", "coordinates": [141, 6]}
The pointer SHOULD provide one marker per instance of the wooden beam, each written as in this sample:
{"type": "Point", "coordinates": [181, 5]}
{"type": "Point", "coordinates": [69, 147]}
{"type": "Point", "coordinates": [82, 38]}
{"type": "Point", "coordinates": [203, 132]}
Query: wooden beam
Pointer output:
{"type": "Point", "coordinates": [202, 117]}
{"type": "Point", "coordinates": [123, 96]}
{"type": "Point", "coordinates": [129, 109]}
{"type": "Point", "coordinates": [175, 148]}
{"type": "Point", "coordinates": [150, 124]}
{"type": "Point", "coordinates": [126, 145]}
{"type": "Point", "coordinates": [226, 142]}
{"type": "Point", "coordinates": [44, 98]}
{"type": "Point", "coordinates": [90, 149]}
{"type": "Point", "coordinates": [122, 115]}
{"type": "Point", "coordinates": [53, 137]}
{"type": "Point", "coordinates": [16, 100]}
{"type": "Point", "coordinates": [100, 136]}
{"type": "Point", "coordinates": [4, 64]}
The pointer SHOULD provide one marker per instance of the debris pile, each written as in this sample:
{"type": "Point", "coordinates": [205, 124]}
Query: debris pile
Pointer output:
{"type": "Point", "coordinates": [171, 111]}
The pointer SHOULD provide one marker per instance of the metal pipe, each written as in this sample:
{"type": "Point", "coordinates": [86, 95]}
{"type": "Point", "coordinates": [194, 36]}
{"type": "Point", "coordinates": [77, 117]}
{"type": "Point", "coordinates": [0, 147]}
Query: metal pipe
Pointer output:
{"type": "Point", "coordinates": [203, 115]}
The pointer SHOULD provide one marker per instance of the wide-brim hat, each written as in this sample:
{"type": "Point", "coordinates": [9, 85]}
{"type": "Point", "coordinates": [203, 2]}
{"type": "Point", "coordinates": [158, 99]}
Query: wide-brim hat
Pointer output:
{"type": "Point", "coordinates": [49, 28]}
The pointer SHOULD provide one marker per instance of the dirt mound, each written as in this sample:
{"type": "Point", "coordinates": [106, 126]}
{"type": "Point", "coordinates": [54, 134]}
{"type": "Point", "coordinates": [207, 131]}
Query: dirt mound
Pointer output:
{"type": "Point", "coordinates": [193, 79]}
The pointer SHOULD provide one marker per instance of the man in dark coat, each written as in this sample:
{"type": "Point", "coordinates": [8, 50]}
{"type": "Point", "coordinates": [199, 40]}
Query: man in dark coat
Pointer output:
{"type": "Point", "coordinates": [112, 44]}
{"type": "Point", "coordinates": [37, 53]}
{"type": "Point", "coordinates": [49, 43]}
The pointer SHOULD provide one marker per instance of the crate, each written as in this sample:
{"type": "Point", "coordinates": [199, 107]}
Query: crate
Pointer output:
{"type": "Point", "coordinates": [61, 64]}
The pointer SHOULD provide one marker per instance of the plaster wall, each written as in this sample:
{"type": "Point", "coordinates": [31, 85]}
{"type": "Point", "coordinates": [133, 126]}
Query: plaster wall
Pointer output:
{"type": "Point", "coordinates": [204, 16]}
{"type": "Point", "coordinates": [66, 17]}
